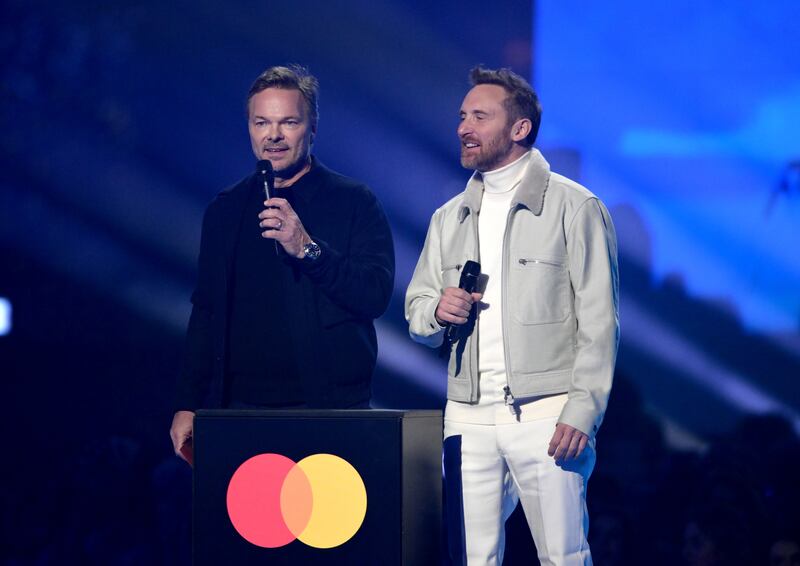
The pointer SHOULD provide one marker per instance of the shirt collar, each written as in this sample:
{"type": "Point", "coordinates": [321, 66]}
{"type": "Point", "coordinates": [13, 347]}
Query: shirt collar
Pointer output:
{"type": "Point", "coordinates": [530, 192]}
{"type": "Point", "coordinates": [306, 186]}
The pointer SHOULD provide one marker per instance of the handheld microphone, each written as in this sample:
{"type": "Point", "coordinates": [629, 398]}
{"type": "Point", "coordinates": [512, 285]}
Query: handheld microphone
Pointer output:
{"type": "Point", "coordinates": [264, 168]}
{"type": "Point", "coordinates": [469, 282]}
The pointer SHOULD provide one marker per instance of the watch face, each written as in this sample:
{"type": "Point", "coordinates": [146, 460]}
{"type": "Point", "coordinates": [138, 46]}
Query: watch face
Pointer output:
{"type": "Point", "coordinates": [311, 251]}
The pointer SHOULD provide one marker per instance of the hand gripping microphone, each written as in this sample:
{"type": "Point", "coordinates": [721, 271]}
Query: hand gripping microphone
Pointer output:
{"type": "Point", "coordinates": [469, 282]}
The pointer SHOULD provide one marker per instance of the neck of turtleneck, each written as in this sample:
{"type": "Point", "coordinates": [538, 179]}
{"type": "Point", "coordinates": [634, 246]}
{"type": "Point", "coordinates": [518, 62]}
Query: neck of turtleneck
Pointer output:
{"type": "Point", "coordinates": [506, 178]}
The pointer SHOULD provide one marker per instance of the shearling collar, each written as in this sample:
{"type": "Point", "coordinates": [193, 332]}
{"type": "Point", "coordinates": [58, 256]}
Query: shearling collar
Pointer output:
{"type": "Point", "coordinates": [529, 194]}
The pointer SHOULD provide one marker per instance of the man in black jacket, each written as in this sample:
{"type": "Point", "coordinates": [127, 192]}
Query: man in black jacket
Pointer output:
{"type": "Point", "coordinates": [287, 288]}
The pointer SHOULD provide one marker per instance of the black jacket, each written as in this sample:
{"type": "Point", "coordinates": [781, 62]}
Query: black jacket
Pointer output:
{"type": "Point", "coordinates": [340, 294]}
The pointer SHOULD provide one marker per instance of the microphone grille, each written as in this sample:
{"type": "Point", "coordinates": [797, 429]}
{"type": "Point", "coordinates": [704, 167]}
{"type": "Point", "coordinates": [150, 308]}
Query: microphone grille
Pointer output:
{"type": "Point", "coordinates": [264, 166]}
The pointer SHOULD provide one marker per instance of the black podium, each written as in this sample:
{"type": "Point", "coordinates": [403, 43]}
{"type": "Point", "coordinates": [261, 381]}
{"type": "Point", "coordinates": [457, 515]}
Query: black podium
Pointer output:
{"type": "Point", "coordinates": [397, 455]}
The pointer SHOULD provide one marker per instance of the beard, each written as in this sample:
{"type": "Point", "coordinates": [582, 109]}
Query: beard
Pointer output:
{"type": "Point", "coordinates": [491, 153]}
{"type": "Point", "coordinates": [289, 170]}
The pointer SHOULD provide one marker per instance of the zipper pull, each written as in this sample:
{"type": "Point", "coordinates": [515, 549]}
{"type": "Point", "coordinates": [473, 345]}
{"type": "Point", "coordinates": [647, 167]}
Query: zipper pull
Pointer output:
{"type": "Point", "coordinates": [509, 400]}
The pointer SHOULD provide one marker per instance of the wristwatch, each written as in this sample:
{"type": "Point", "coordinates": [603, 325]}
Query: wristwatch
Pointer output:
{"type": "Point", "coordinates": [311, 251]}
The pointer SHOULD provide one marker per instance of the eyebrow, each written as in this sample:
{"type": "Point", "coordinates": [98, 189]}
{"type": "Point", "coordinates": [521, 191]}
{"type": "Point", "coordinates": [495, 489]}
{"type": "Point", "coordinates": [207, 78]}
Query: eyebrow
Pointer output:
{"type": "Point", "coordinates": [283, 119]}
{"type": "Point", "coordinates": [288, 116]}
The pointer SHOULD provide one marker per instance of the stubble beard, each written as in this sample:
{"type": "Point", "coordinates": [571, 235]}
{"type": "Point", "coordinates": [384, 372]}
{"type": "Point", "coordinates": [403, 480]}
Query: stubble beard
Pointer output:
{"type": "Point", "coordinates": [490, 155]}
{"type": "Point", "coordinates": [291, 169]}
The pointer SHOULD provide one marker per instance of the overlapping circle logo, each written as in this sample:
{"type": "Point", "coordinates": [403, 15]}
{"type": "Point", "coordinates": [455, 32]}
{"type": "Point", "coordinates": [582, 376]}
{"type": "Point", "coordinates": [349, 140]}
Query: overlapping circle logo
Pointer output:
{"type": "Point", "coordinates": [320, 500]}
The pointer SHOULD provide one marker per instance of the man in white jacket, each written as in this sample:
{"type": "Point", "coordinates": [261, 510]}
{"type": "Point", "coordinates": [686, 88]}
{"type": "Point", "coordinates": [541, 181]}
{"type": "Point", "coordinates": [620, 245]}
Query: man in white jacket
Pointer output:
{"type": "Point", "coordinates": [531, 369]}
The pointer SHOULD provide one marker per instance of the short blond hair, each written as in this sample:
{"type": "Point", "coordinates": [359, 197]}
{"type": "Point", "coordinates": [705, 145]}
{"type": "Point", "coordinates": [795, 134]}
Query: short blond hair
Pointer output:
{"type": "Point", "coordinates": [293, 77]}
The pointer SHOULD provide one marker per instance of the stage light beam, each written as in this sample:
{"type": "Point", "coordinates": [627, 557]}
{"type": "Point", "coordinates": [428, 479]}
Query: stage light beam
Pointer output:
{"type": "Point", "coordinates": [5, 317]}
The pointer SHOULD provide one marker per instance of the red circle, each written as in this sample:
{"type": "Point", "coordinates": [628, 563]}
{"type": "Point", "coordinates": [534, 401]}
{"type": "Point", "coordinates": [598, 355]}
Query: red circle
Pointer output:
{"type": "Point", "coordinates": [254, 500]}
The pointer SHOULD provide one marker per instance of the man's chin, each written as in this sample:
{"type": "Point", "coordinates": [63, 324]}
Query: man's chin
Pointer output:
{"type": "Point", "coordinates": [285, 170]}
{"type": "Point", "coordinates": [468, 162]}
{"type": "Point", "coordinates": [282, 167]}
{"type": "Point", "coordinates": [476, 164]}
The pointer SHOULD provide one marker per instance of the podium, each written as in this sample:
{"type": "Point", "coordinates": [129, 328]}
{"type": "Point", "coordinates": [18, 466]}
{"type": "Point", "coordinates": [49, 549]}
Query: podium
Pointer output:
{"type": "Point", "coordinates": [351, 487]}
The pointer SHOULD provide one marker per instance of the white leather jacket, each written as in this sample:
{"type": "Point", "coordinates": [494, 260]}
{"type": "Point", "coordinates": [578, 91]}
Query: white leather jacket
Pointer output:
{"type": "Point", "coordinates": [559, 296]}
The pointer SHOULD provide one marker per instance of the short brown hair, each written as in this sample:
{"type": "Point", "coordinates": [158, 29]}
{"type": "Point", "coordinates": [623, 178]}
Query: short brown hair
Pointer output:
{"type": "Point", "coordinates": [293, 77]}
{"type": "Point", "coordinates": [522, 101]}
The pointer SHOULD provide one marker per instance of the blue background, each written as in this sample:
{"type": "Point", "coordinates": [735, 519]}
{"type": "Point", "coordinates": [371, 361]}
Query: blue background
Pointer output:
{"type": "Point", "coordinates": [121, 120]}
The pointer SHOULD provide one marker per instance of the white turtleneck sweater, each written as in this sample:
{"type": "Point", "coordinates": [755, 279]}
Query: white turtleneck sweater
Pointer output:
{"type": "Point", "coordinates": [500, 186]}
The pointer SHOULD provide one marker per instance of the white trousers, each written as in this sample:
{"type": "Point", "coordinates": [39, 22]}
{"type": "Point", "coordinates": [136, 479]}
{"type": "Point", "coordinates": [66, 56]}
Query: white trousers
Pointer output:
{"type": "Point", "coordinates": [489, 468]}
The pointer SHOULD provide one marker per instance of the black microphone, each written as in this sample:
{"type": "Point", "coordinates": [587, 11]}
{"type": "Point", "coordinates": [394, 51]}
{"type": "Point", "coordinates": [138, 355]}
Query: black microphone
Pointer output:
{"type": "Point", "coordinates": [267, 174]}
{"type": "Point", "coordinates": [469, 282]}
{"type": "Point", "coordinates": [264, 168]}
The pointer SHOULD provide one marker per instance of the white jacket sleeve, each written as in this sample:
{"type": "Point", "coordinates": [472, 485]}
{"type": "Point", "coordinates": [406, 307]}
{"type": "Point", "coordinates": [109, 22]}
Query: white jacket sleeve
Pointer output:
{"type": "Point", "coordinates": [592, 249]}
{"type": "Point", "coordinates": [425, 290]}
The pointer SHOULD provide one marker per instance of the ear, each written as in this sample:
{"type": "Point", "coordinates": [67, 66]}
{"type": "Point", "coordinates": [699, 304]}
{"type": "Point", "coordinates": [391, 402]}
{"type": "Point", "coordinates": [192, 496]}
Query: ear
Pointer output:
{"type": "Point", "coordinates": [521, 129]}
{"type": "Point", "coordinates": [313, 134]}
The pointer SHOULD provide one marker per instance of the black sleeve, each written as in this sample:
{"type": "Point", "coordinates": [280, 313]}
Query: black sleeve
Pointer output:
{"type": "Point", "coordinates": [196, 371]}
{"type": "Point", "coordinates": [359, 280]}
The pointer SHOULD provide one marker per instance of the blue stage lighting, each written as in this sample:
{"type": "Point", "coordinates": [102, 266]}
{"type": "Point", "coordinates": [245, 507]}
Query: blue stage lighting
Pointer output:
{"type": "Point", "coordinates": [5, 317]}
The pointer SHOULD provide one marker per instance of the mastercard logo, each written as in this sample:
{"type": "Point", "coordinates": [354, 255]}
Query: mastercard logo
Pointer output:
{"type": "Point", "coordinates": [320, 500]}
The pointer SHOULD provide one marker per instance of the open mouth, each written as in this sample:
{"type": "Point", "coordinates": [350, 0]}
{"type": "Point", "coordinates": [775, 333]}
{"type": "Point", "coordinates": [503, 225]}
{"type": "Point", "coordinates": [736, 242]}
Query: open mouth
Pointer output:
{"type": "Point", "coordinates": [275, 150]}
{"type": "Point", "coordinates": [470, 144]}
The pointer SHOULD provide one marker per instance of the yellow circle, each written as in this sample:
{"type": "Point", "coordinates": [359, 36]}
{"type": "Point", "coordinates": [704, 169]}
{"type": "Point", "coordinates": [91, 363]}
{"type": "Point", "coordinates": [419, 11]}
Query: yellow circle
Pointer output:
{"type": "Point", "coordinates": [340, 501]}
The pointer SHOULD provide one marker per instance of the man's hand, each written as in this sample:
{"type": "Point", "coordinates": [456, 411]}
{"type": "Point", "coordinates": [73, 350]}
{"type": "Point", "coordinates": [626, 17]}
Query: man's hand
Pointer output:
{"type": "Point", "coordinates": [567, 443]}
{"type": "Point", "coordinates": [454, 306]}
{"type": "Point", "coordinates": [181, 435]}
{"type": "Point", "coordinates": [286, 226]}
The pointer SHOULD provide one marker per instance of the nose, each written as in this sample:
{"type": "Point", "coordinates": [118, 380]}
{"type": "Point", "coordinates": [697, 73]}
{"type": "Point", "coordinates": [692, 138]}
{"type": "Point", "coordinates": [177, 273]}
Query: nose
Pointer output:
{"type": "Point", "coordinates": [274, 133]}
{"type": "Point", "coordinates": [463, 128]}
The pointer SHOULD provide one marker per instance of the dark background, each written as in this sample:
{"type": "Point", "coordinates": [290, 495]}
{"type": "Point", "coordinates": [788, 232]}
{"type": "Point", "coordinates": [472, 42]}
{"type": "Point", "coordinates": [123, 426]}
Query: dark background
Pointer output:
{"type": "Point", "coordinates": [121, 120]}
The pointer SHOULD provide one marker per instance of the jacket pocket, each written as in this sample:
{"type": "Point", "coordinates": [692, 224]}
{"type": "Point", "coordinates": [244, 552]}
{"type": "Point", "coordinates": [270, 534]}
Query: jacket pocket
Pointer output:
{"type": "Point", "coordinates": [539, 290]}
{"type": "Point", "coordinates": [451, 274]}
